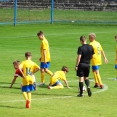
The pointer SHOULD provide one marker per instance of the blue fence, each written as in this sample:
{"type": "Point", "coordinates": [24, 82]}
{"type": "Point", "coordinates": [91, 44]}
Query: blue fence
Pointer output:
{"type": "Point", "coordinates": [35, 11]}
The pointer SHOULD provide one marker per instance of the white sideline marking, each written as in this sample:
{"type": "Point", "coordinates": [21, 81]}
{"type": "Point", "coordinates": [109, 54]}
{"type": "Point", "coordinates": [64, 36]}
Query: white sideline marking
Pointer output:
{"type": "Point", "coordinates": [62, 97]}
{"type": "Point", "coordinates": [51, 34]}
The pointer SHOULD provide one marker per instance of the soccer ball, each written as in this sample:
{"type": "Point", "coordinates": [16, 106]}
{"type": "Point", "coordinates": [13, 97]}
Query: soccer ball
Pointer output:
{"type": "Point", "coordinates": [84, 88]}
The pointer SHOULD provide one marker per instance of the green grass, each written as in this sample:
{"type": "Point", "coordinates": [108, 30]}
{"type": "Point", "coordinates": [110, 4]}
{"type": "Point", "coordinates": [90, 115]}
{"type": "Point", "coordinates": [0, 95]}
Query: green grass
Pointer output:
{"type": "Point", "coordinates": [34, 15]}
{"type": "Point", "coordinates": [64, 41]}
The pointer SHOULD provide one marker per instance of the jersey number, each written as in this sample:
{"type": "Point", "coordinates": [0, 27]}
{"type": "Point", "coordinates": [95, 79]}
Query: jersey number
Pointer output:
{"type": "Point", "coordinates": [98, 50]}
{"type": "Point", "coordinates": [28, 72]}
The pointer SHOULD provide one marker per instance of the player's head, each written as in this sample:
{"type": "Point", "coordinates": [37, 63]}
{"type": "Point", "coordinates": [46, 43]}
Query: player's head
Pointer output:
{"type": "Point", "coordinates": [116, 38]}
{"type": "Point", "coordinates": [65, 69]}
{"type": "Point", "coordinates": [40, 35]}
{"type": "Point", "coordinates": [83, 39]}
{"type": "Point", "coordinates": [16, 64]}
{"type": "Point", "coordinates": [28, 55]}
{"type": "Point", "coordinates": [92, 37]}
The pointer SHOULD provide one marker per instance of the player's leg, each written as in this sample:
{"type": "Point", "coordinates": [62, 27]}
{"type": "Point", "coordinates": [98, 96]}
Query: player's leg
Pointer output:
{"type": "Point", "coordinates": [94, 68]}
{"type": "Point", "coordinates": [28, 102]}
{"type": "Point", "coordinates": [87, 82]}
{"type": "Point", "coordinates": [42, 77]}
{"type": "Point", "coordinates": [99, 78]}
{"type": "Point", "coordinates": [57, 85]}
{"type": "Point", "coordinates": [81, 79]}
{"type": "Point", "coordinates": [47, 70]}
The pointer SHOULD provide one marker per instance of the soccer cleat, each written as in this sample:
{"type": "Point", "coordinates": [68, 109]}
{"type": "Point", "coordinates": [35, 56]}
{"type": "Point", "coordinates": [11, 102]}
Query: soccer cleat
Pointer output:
{"type": "Point", "coordinates": [95, 86]}
{"type": "Point", "coordinates": [41, 84]}
{"type": "Point", "coordinates": [89, 92]}
{"type": "Point", "coordinates": [49, 87]}
{"type": "Point", "coordinates": [80, 95]}
{"type": "Point", "coordinates": [27, 104]}
{"type": "Point", "coordinates": [101, 86]}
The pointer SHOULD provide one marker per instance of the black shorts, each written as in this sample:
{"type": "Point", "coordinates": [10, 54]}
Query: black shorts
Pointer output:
{"type": "Point", "coordinates": [83, 70]}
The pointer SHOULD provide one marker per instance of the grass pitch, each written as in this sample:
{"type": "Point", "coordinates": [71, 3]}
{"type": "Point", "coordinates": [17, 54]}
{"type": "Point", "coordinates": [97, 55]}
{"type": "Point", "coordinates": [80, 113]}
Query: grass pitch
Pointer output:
{"type": "Point", "coordinates": [64, 41]}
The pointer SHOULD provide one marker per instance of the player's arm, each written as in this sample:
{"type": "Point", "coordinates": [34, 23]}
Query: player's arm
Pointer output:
{"type": "Point", "coordinates": [13, 81]}
{"type": "Point", "coordinates": [65, 81]}
{"type": "Point", "coordinates": [20, 68]}
{"type": "Point", "coordinates": [78, 61]}
{"type": "Point", "coordinates": [105, 59]}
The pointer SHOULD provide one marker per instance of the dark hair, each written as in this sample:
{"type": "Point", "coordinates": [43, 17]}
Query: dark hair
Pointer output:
{"type": "Point", "coordinates": [64, 68]}
{"type": "Point", "coordinates": [82, 38]}
{"type": "Point", "coordinates": [115, 36]}
{"type": "Point", "coordinates": [27, 54]}
{"type": "Point", "coordinates": [16, 62]}
{"type": "Point", "coordinates": [40, 33]}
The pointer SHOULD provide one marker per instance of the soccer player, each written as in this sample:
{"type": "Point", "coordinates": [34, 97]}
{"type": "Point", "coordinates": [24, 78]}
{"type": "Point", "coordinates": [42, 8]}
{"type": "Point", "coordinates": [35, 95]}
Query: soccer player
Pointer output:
{"type": "Point", "coordinates": [17, 72]}
{"type": "Point", "coordinates": [116, 58]}
{"type": "Point", "coordinates": [45, 57]}
{"type": "Point", "coordinates": [16, 64]}
{"type": "Point", "coordinates": [96, 60]}
{"type": "Point", "coordinates": [85, 53]}
{"type": "Point", "coordinates": [57, 76]}
{"type": "Point", "coordinates": [27, 83]}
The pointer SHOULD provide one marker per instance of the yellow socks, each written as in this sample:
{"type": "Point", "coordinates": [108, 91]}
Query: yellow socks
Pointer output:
{"type": "Point", "coordinates": [95, 78]}
{"type": "Point", "coordinates": [57, 87]}
{"type": "Point", "coordinates": [25, 95]}
{"type": "Point", "coordinates": [42, 77]}
{"type": "Point", "coordinates": [99, 79]}
{"type": "Point", "coordinates": [29, 96]}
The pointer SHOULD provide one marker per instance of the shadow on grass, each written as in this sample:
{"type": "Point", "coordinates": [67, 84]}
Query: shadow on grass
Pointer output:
{"type": "Point", "coordinates": [7, 106]}
{"type": "Point", "coordinates": [9, 88]}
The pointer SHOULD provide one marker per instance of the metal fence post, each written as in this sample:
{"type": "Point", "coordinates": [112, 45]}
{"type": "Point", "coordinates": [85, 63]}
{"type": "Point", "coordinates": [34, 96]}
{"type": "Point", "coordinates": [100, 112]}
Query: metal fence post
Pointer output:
{"type": "Point", "coordinates": [15, 12]}
{"type": "Point", "coordinates": [52, 11]}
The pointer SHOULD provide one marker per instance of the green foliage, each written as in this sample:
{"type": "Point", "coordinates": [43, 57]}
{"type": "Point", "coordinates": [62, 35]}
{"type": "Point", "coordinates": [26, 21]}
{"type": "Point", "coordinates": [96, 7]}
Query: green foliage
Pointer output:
{"type": "Point", "coordinates": [64, 41]}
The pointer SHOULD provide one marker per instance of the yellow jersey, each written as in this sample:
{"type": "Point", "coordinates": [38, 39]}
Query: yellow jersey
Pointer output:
{"type": "Point", "coordinates": [45, 46]}
{"type": "Point", "coordinates": [59, 75]}
{"type": "Point", "coordinates": [116, 56]}
{"type": "Point", "coordinates": [96, 59]}
{"type": "Point", "coordinates": [27, 67]}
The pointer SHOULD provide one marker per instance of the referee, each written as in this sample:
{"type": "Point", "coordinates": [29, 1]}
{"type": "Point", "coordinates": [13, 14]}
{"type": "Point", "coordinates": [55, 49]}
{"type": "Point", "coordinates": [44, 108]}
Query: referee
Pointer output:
{"type": "Point", "coordinates": [85, 53]}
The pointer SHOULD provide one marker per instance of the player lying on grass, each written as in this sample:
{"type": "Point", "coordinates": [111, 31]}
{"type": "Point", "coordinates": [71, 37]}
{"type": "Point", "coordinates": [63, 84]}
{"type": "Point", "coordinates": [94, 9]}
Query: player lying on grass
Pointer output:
{"type": "Point", "coordinates": [16, 64]}
{"type": "Point", "coordinates": [27, 83]}
{"type": "Point", "coordinates": [57, 76]}
{"type": "Point", "coordinates": [116, 58]}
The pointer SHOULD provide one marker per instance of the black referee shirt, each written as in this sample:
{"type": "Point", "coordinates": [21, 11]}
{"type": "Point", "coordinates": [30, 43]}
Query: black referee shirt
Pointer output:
{"type": "Point", "coordinates": [86, 51]}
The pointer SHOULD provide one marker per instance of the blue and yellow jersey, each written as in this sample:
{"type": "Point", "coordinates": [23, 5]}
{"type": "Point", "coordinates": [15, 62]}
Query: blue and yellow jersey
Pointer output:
{"type": "Point", "coordinates": [45, 46]}
{"type": "Point", "coordinates": [96, 59]}
{"type": "Point", "coordinates": [27, 67]}
{"type": "Point", "coordinates": [59, 75]}
{"type": "Point", "coordinates": [116, 56]}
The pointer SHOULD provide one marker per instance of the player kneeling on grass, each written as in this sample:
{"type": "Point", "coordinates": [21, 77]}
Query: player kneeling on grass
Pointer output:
{"type": "Point", "coordinates": [57, 76]}
{"type": "Point", "coordinates": [27, 83]}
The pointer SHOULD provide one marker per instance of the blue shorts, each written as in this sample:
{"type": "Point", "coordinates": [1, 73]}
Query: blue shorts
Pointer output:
{"type": "Point", "coordinates": [58, 82]}
{"type": "Point", "coordinates": [27, 88]}
{"type": "Point", "coordinates": [43, 65]}
{"type": "Point", "coordinates": [115, 66]}
{"type": "Point", "coordinates": [95, 67]}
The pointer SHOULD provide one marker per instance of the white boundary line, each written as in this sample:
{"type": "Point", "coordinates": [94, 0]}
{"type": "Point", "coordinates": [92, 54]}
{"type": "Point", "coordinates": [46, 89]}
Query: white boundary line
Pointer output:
{"type": "Point", "coordinates": [49, 34]}
{"type": "Point", "coordinates": [60, 97]}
